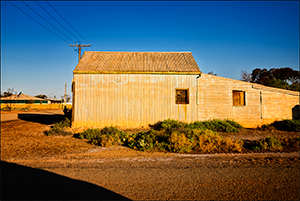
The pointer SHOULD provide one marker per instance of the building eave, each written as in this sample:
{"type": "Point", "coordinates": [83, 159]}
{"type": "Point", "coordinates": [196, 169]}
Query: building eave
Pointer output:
{"type": "Point", "coordinates": [135, 72]}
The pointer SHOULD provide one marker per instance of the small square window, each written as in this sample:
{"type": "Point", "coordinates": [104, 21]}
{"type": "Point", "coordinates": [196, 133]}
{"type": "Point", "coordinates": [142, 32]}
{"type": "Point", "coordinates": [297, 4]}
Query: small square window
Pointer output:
{"type": "Point", "coordinates": [238, 98]}
{"type": "Point", "coordinates": [182, 96]}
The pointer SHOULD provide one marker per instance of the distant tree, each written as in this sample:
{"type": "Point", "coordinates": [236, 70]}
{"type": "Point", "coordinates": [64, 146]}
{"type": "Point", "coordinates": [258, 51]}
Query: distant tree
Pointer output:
{"type": "Point", "coordinates": [12, 94]}
{"type": "Point", "coordinates": [9, 92]}
{"type": "Point", "coordinates": [41, 96]}
{"type": "Point", "coordinates": [211, 73]}
{"type": "Point", "coordinates": [245, 76]}
{"type": "Point", "coordinates": [284, 78]}
{"type": "Point", "coordinates": [30, 101]}
{"type": "Point", "coordinates": [68, 98]}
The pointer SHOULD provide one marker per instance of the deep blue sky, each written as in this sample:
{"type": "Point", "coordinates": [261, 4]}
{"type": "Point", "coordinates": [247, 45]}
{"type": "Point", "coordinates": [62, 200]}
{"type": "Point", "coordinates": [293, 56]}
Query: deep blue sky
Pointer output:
{"type": "Point", "coordinates": [224, 37]}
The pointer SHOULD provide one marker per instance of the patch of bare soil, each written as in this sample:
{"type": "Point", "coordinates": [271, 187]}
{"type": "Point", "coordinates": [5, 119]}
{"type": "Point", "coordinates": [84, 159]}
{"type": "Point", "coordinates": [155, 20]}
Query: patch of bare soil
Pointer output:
{"type": "Point", "coordinates": [26, 140]}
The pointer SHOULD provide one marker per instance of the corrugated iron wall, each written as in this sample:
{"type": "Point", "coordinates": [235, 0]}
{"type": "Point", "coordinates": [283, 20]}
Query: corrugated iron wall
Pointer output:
{"type": "Point", "coordinates": [131, 100]}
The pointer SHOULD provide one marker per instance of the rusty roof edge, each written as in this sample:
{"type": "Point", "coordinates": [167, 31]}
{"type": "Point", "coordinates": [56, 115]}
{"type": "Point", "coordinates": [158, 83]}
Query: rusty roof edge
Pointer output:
{"type": "Point", "coordinates": [273, 89]}
{"type": "Point", "coordinates": [138, 52]}
{"type": "Point", "coordinates": [136, 72]}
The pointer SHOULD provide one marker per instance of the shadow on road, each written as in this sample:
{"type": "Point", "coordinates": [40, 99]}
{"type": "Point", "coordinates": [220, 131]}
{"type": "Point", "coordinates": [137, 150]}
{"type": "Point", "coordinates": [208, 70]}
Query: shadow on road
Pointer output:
{"type": "Point", "coordinates": [26, 183]}
{"type": "Point", "coordinates": [46, 119]}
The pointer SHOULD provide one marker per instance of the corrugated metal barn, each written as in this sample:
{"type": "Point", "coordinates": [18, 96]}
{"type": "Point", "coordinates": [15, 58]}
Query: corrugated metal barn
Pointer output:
{"type": "Point", "coordinates": [134, 88]}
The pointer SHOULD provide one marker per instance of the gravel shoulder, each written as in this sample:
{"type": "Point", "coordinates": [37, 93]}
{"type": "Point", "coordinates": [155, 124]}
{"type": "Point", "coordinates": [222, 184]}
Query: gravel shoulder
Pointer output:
{"type": "Point", "coordinates": [122, 173]}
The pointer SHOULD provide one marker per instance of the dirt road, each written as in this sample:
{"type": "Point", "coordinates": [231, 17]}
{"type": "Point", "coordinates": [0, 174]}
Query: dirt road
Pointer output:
{"type": "Point", "coordinates": [14, 115]}
{"type": "Point", "coordinates": [35, 166]}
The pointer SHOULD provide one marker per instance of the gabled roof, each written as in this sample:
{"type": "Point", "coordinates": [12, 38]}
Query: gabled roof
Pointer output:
{"type": "Point", "coordinates": [21, 97]}
{"type": "Point", "coordinates": [137, 62]}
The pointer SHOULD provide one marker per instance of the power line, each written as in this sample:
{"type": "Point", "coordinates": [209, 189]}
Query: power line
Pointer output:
{"type": "Point", "coordinates": [50, 23]}
{"type": "Point", "coordinates": [38, 22]}
{"type": "Point", "coordinates": [58, 21]}
{"type": "Point", "coordinates": [58, 89]}
{"type": "Point", "coordinates": [47, 21]}
{"type": "Point", "coordinates": [67, 22]}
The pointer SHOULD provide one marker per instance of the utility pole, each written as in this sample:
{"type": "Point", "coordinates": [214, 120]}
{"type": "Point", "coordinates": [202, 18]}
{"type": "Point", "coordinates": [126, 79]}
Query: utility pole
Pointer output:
{"type": "Point", "coordinates": [65, 94]}
{"type": "Point", "coordinates": [79, 49]}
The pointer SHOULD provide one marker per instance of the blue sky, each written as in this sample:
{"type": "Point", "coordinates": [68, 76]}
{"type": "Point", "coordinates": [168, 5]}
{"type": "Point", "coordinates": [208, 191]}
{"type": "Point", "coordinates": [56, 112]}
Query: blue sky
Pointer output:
{"type": "Point", "coordinates": [224, 37]}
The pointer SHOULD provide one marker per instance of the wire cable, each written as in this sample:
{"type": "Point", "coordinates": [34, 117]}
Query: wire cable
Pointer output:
{"type": "Point", "coordinates": [66, 21]}
{"type": "Point", "coordinates": [48, 22]}
{"type": "Point", "coordinates": [58, 21]}
{"type": "Point", "coordinates": [38, 22]}
{"type": "Point", "coordinates": [57, 90]}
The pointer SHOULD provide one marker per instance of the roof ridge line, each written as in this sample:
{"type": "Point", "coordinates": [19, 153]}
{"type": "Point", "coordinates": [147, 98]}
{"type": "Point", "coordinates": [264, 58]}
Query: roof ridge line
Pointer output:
{"type": "Point", "coordinates": [136, 52]}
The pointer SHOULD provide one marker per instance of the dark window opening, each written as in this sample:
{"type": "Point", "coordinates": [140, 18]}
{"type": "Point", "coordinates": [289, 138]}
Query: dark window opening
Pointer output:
{"type": "Point", "coordinates": [238, 98]}
{"type": "Point", "coordinates": [182, 96]}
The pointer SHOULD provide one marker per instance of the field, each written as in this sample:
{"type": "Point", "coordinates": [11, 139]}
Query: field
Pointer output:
{"type": "Point", "coordinates": [36, 166]}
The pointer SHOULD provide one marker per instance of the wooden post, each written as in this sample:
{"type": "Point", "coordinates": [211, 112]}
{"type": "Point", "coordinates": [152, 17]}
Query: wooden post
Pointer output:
{"type": "Point", "coordinates": [65, 94]}
{"type": "Point", "coordinates": [79, 49]}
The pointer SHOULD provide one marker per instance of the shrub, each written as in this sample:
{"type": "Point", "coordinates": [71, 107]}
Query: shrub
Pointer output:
{"type": "Point", "coordinates": [58, 128]}
{"type": "Point", "coordinates": [210, 141]}
{"type": "Point", "coordinates": [106, 137]}
{"type": "Point", "coordinates": [229, 145]}
{"type": "Point", "coordinates": [142, 140]}
{"type": "Point", "coordinates": [216, 125]}
{"type": "Point", "coordinates": [234, 123]}
{"type": "Point", "coordinates": [170, 125]}
{"type": "Point", "coordinates": [109, 136]}
{"type": "Point", "coordinates": [105, 141]}
{"type": "Point", "coordinates": [287, 125]}
{"type": "Point", "coordinates": [171, 135]}
{"type": "Point", "coordinates": [267, 127]}
{"type": "Point", "coordinates": [161, 146]}
{"type": "Point", "coordinates": [178, 142]}
{"type": "Point", "coordinates": [90, 134]}
{"type": "Point", "coordinates": [267, 143]}
{"type": "Point", "coordinates": [291, 142]}
{"type": "Point", "coordinates": [67, 112]}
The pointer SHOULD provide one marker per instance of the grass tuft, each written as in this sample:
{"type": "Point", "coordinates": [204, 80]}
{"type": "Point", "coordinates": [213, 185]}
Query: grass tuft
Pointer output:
{"type": "Point", "coordinates": [267, 143]}
{"type": "Point", "coordinates": [58, 128]}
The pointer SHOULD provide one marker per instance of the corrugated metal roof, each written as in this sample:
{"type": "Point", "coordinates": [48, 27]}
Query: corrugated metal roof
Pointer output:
{"type": "Point", "coordinates": [163, 62]}
{"type": "Point", "coordinates": [21, 97]}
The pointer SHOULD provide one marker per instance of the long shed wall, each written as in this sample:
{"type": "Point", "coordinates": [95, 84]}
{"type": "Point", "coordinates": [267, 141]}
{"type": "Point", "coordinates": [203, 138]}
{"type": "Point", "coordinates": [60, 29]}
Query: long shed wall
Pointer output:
{"type": "Point", "coordinates": [262, 104]}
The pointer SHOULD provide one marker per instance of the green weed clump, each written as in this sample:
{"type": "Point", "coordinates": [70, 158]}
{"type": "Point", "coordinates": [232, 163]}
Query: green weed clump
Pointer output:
{"type": "Point", "coordinates": [142, 141]}
{"type": "Point", "coordinates": [267, 143]}
{"type": "Point", "coordinates": [287, 125]}
{"type": "Point", "coordinates": [106, 137]}
{"type": "Point", "coordinates": [170, 125]}
{"type": "Point", "coordinates": [90, 134]}
{"type": "Point", "coordinates": [216, 125]}
{"type": "Point", "coordinates": [58, 128]}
